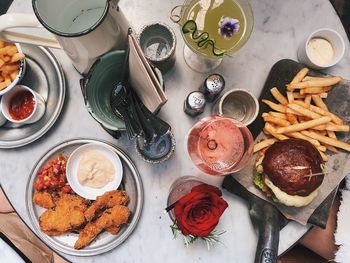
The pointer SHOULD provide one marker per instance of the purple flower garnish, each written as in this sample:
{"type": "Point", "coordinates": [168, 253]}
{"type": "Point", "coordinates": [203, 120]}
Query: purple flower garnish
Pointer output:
{"type": "Point", "coordinates": [228, 27]}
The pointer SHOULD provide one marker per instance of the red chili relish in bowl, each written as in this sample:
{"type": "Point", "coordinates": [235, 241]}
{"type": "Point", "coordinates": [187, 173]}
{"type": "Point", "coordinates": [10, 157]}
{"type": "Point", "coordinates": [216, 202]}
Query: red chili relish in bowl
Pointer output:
{"type": "Point", "coordinates": [21, 105]}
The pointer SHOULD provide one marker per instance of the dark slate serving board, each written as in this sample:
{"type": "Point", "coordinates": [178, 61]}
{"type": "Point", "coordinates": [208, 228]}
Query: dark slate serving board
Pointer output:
{"type": "Point", "coordinates": [281, 73]}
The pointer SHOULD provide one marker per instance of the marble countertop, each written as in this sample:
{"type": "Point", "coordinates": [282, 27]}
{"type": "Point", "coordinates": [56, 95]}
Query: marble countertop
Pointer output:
{"type": "Point", "coordinates": [279, 28]}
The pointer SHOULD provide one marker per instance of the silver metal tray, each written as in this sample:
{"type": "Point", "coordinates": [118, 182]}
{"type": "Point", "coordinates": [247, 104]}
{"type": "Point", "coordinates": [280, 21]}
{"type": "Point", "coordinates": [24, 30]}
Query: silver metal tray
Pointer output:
{"type": "Point", "coordinates": [104, 242]}
{"type": "Point", "coordinates": [44, 75]}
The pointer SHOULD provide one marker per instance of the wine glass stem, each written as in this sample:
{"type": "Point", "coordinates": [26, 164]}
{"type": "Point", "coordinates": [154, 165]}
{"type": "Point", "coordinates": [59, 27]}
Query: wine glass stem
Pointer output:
{"type": "Point", "coordinates": [200, 63]}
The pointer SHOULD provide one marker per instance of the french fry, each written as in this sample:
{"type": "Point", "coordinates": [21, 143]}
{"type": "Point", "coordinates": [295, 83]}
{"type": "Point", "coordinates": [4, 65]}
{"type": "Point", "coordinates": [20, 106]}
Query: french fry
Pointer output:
{"type": "Point", "coordinates": [4, 50]}
{"type": "Point", "coordinates": [315, 83]}
{"type": "Point", "coordinates": [320, 111]}
{"type": "Point", "coordinates": [307, 100]}
{"type": "Point", "coordinates": [2, 44]}
{"type": "Point", "coordinates": [4, 84]}
{"type": "Point", "coordinates": [290, 96]}
{"type": "Point", "coordinates": [17, 57]}
{"type": "Point", "coordinates": [278, 96]}
{"type": "Point", "coordinates": [321, 148]}
{"type": "Point", "coordinates": [300, 75]}
{"type": "Point", "coordinates": [331, 148]}
{"type": "Point", "coordinates": [322, 127]}
{"type": "Point", "coordinates": [327, 140]}
{"type": "Point", "coordinates": [324, 95]}
{"type": "Point", "coordinates": [274, 106]}
{"type": "Point", "coordinates": [14, 75]}
{"type": "Point", "coordinates": [314, 90]}
{"type": "Point", "coordinates": [301, 103]}
{"type": "Point", "coordinates": [278, 115]}
{"type": "Point", "coordinates": [270, 127]}
{"type": "Point", "coordinates": [319, 102]}
{"type": "Point", "coordinates": [331, 127]}
{"type": "Point", "coordinates": [6, 76]}
{"type": "Point", "coordinates": [306, 112]}
{"type": "Point", "coordinates": [275, 120]}
{"type": "Point", "coordinates": [321, 132]}
{"type": "Point", "coordinates": [12, 50]}
{"type": "Point", "coordinates": [263, 144]}
{"type": "Point", "coordinates": [6, 58]}
{"type": "Point", "coordinates": [291, 118]}
{"type": "Point", "coordinates": [299, 135]}
{"type": "Point", "coordinates": [9, 68]}
{"type": "Point", "coordinates": [324, 156]}
{"type": "Point", "coordinates": [304, 125]}
{"type": "Point", "coordinates": [271, 130]}
{"type": "Point", "coordinates": [338, 128]}
{"type": "Point", "coordinates": [1, 62]}
{"type": "Point", "coordinates": [313, 78]}
{"type": "Point", "coordinates": [331, 134]}
{"type": "Point", "coordinates": [288, 110]}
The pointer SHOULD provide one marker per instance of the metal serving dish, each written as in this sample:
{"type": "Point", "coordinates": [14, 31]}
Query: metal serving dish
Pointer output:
{"type": "Point", "coordinates": [104, 242]}
{"type": "Point", "coordinates": [44, 75]}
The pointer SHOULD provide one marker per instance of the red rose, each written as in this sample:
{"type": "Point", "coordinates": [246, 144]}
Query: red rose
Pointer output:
{"type": "Point", "coordinates": [199, 212]}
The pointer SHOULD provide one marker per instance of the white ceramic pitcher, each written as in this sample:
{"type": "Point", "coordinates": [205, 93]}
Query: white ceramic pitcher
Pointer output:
{"type": "Point", "coordinates": [84, 29]}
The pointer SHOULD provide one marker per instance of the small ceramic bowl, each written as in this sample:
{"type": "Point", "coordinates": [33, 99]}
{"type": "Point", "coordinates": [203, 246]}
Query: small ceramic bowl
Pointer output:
{"type": "Point", "coordinates": [39, 105]}
{"type": "Point", "coordinates": [2, 117]}
{"type": "Point", "coordinates": [238, 104]}
{"type": "Point", "coordinates": [158, 44]}
{"type": "Point", "coordinates": [337, 45]}
{"type": "Point", "coordinates": [73, 165]}
{"type": "Point", "coordinates": [156, 152]}
{"type": "Point", "coordinates": [22, 69]}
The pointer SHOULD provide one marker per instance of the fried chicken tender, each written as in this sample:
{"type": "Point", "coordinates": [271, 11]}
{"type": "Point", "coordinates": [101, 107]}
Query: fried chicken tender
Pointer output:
{"type": "Point", "coordinates": [107, 200]}
{"type": "Point", "coordinates": [66, 216]}
{"type": "Point", "coordinates": [113, 229]}
{"type": "Point", "coordinates": [44, 199]}
{"type": "Point", "coordinates": [115, 216]}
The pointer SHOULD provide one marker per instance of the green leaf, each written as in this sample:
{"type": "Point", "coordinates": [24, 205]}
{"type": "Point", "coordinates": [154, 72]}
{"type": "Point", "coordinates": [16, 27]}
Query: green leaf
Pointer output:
{"type": "Point", "coordinates": [258, 180]}
{"type": "Point", "coordinates": [209, 240]}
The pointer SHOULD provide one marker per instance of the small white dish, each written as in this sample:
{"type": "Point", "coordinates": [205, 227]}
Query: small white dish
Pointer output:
{"type": "Point", "coordinates": [39, 105]}
{"type": "Point", "coordinates": [2, 117]}
{"type": "Point", "coordinates": [332, 37]}
{"type": "Point", "coordinates": [72, 170]}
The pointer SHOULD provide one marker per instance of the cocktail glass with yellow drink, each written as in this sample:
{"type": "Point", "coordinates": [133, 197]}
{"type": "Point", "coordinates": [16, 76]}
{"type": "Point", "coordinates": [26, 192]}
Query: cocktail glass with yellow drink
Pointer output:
{"type": "Point", "coordinates": [213, 29]}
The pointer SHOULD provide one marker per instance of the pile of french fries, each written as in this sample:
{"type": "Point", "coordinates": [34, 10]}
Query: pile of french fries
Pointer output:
{"type": "Point", "coordinates": [304, 115]}
{"type": "Point", "coordinates": [9, 63]}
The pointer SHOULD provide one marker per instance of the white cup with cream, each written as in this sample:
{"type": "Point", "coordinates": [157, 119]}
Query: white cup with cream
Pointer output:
{"type": "Point", "coordinates": [322, 49]}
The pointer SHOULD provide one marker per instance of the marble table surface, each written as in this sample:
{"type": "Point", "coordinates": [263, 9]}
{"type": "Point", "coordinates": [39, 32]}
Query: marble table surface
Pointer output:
{"type": "Point", "coordinates": [279, 28]}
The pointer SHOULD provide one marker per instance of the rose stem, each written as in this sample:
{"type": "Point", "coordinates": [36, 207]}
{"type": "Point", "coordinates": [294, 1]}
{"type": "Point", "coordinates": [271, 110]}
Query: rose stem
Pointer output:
{"type": "Point", "coordinates": [170, 207]}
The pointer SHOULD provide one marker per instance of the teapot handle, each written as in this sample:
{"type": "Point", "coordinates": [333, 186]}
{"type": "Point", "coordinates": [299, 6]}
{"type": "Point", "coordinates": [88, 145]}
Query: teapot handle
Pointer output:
{"type": "Point", "coordinates": [15, 20]}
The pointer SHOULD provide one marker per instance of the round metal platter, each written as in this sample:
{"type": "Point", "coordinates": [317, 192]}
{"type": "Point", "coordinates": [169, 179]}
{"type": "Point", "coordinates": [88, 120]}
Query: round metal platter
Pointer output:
{"type": "Point", "coordinates": [44, 75]}
{"type": "Point", "coordinates": [105, 241]}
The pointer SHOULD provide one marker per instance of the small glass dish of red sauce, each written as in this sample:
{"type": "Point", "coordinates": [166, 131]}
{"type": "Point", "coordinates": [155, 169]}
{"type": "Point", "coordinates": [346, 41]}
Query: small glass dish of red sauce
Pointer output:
{"type": "Point", "coordinates": [22, 105]}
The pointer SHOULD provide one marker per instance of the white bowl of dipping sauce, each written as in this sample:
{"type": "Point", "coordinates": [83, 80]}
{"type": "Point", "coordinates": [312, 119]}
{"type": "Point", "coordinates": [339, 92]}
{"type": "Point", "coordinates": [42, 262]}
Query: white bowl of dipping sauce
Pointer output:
{"type": "Point", "coordinates": [322, 49]}
{"type": "Point", "coordinates": [22, 105]}
{"type": "Point", "coordinates": [93, 169]}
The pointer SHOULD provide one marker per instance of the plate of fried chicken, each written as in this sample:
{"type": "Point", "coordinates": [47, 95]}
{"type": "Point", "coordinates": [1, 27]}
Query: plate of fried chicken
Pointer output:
{"type": "Point", "coordinates": [75, 225]}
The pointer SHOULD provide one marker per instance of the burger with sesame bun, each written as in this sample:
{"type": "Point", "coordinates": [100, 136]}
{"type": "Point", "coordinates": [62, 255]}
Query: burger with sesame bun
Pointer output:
{"type": "Point", "coordinates": [290, 171]}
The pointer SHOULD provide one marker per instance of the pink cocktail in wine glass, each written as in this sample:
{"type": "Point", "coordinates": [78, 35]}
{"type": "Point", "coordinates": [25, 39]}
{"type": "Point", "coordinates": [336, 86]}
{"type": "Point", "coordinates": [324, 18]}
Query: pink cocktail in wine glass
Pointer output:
{"type": "Point", "coordinates": [220, 145]}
